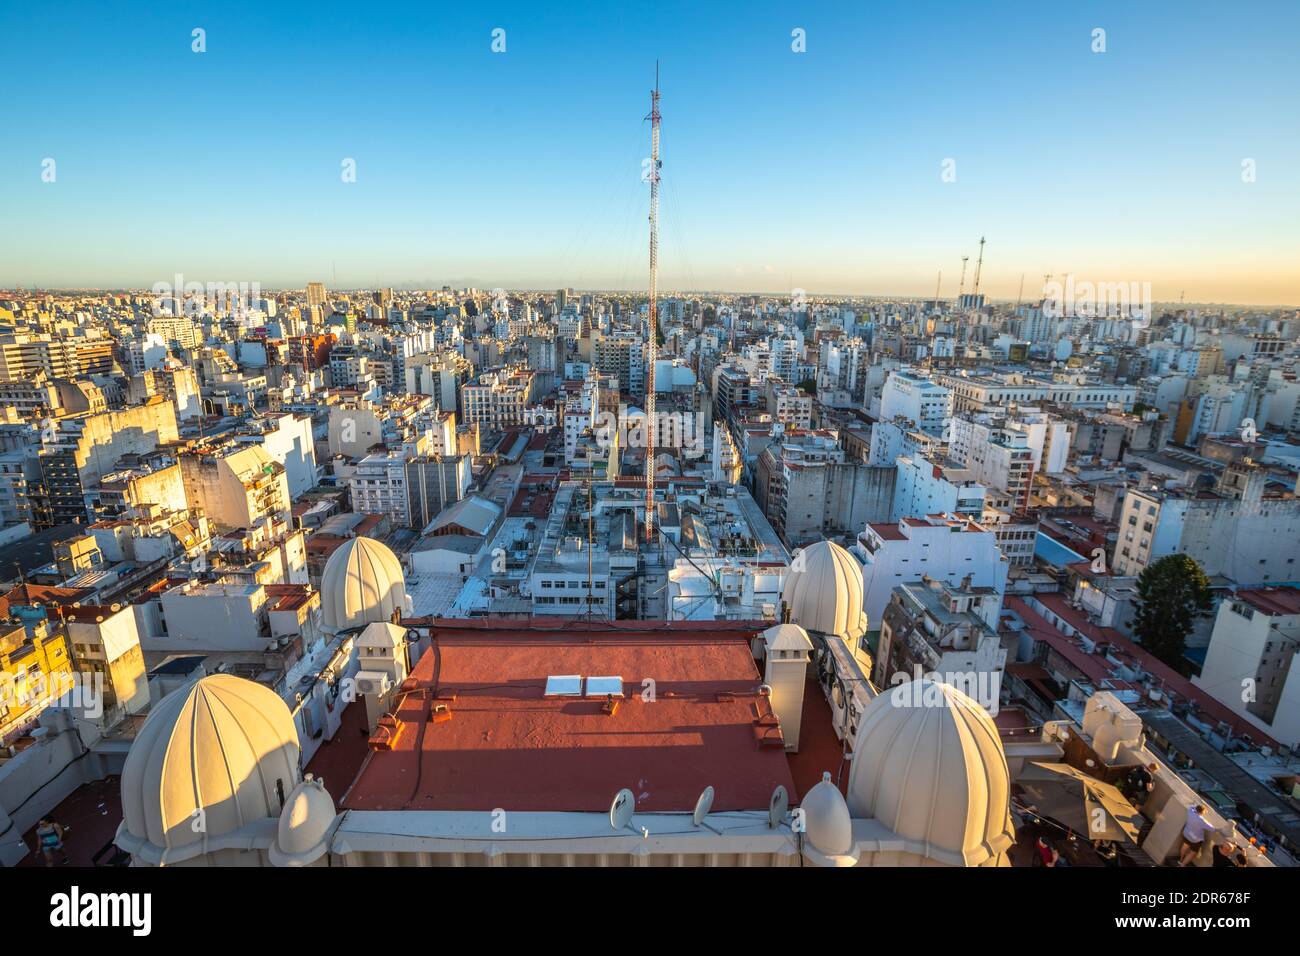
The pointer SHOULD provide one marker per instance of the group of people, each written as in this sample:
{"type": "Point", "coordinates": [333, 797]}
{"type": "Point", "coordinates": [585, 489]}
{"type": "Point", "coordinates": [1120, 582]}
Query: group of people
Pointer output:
{"type": "Point", "coordinates": [1137, 786]}
{"type": "Point", "coordinates": [1195, 831]}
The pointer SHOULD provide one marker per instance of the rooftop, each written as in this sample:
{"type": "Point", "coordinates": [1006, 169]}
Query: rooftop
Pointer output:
{"type": "Point", "coordinates": [1272, 601]}
{"type": "Point", "coordinates": [504, 743]}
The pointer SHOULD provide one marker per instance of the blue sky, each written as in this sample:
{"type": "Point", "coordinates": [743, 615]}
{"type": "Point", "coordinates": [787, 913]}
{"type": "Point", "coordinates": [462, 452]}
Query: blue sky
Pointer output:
{"type": "Point", "coordinates": [817, 170]}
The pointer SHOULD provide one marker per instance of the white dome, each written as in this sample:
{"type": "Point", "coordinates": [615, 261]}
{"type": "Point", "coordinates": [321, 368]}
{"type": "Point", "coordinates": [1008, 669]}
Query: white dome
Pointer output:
{"type": "Point", "coordinates": [928, 764]}
{"type": "Point", "coordinates": [305, 824]}
{"type": "Point", "coordinates": [826, 595]}
{"type": "Point", "coordinates": [828, 828]}
{"type": "Point", "coordinates": [362, 584]}
{"type": "Point", "coordinates": [225, 746]}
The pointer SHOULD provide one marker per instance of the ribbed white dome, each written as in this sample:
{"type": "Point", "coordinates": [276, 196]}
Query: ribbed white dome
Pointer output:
{"type": "Point", "coordinates": [826, 595]}
{"type": "Point", "coordinates": [223, 745]}
{"type": "Point", "coordinates": [305, 825]}
{"type": "Point", "coordinates": [928, 764]}
{"type": "Point", "coordinates": [362, 584]}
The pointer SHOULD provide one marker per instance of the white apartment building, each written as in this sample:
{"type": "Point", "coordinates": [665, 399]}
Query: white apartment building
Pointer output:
{"type": "Point", "coordinates": [288, 440]}
{"type": "Point", "coordinates": [378, 487]}
{"type": "Point", "coordinates": [891, 440]}
{"type": "Point", "coordinates": [925, 488]}
{"type": "Point", "coordinates": [918, 399]}
{"type": "Point", "coordinates": [975, 392]}
{"type": "Point", "coordinates": [997, 456]}
{"type": "Point", "coordinates": [788, 405]}
{"type": "Point", "coordinates": [942, 547]}
{"type": "Point", "coordinates": [1249, 663]}
{"type": "Point", "coordinates": [1235, 531]}
{"type": "Point", "coordinates": [934, 627]}
{"type": "Point", "coordinates": [495, 403]}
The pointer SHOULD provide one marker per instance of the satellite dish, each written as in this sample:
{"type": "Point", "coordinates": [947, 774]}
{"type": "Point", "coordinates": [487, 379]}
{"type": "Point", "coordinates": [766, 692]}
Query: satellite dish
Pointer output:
{"type": "Point", "coordinates": [620, 811]}
{"type": "Point", "coordinates": [777, 807]}
{"type": "Point", "coordinates": [703, 806]}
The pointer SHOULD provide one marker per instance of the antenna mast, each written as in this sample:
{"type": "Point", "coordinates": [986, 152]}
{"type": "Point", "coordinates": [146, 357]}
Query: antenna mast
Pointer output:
{"type": "Point", "coordinates": [652, 351]}
{"type": "Point", "coordinates": [979, 264]}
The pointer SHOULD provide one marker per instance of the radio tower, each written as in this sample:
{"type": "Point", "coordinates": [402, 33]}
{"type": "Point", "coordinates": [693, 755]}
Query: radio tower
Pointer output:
{"type": "Point", "coordinates": [653, 325]}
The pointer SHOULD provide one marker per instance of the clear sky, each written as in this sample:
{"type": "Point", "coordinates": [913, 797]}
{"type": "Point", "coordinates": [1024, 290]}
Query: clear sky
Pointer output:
{"type": "Point", "coordinates": [818, 170]}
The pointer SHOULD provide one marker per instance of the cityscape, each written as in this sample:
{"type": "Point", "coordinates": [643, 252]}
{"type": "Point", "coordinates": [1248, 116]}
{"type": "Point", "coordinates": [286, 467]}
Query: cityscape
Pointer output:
{"type": "Point", "coordinates": [628, 539]}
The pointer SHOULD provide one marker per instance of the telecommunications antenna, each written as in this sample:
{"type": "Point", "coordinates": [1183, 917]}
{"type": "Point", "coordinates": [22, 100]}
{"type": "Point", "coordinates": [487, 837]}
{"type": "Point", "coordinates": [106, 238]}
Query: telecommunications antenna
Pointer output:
{"type": "Point", "coordinates": [703, 806]}
{"type": "Point", "coordinates": [620, 811]}
{"type": "Point", "coordinates": [777, 807]}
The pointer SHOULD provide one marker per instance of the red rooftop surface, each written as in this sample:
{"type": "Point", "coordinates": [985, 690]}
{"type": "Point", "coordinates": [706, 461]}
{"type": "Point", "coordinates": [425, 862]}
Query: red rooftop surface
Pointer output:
{"type": "Point", "coordinates": [501, 742]}
{"type": "Point", "coordinates": [1097, 668]}
{"type": "Point", "coordinates": [1279, 601]}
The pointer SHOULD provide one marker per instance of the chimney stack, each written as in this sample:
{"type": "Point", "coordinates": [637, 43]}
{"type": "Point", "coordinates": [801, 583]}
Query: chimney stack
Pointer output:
{"type": "Point", "coordinates": [785, 670]}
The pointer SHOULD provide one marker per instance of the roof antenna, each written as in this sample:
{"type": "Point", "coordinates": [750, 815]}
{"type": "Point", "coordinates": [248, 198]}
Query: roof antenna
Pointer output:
{"type": "Point", "coordinates": [702, 807]}
{"type": "Point", "coordinates": [778, 807]}
{"type": "Point", "coordinates": [621, 810]}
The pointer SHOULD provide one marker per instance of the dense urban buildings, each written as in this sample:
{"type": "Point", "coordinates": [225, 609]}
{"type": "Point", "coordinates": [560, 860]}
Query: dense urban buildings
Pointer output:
{"type": "Point", "coordinates": [303, 507]}
{"type": "Point", "coordinates": [560, 573]}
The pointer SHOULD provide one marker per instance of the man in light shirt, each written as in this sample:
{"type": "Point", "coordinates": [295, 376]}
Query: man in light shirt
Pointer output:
{"type": "Point", "coordinates": [1194, 833]}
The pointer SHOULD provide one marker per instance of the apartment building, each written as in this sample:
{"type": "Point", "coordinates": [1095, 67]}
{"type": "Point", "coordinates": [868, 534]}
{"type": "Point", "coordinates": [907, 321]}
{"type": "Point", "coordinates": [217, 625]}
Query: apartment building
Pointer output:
{"type": "Point", "coordinates": [1249, 663]}
{"type": "Point", "coordinates": [497, 402]}
{"type": "Point", "coordinates": [921, 401]}
{"type": "Point", "coordinates": [942, 547]}
{"type": "Point", "coordinates": [935, 627]}
{"type": "Point", "coordinates": [925, 486]}
{"type": "Point", "coordinates": [1236, 530]}
{"type": "Point", "coordinates": [378, 487]}
{"type": "Point", "coordinates": [83, 449]}
{"type": "Point", "coordinates": [236, 486]}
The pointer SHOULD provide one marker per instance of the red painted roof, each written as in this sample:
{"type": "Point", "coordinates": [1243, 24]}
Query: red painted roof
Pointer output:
{"type": "Point", "coordinates": [1093, 666]}
{"type": "Point", "coordinates": [507, 745]}
{"type": "Point", "coordinates": [1170, 680]}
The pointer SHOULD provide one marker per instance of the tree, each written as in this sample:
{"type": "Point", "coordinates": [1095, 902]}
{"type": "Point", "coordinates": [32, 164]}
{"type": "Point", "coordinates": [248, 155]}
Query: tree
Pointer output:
{"type": "Point", "coordinates": [809, 385]}
{"type": "Point", "coordinates": [1172, 594]}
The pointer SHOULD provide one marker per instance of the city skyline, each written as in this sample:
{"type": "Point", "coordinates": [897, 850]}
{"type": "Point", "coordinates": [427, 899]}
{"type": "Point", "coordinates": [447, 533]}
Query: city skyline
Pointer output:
{"type": "Point", "coordinates": [821, 170]}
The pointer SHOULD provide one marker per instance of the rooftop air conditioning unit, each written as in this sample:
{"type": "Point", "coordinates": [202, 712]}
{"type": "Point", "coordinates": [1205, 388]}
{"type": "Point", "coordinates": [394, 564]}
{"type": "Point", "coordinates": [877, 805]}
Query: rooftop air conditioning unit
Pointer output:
{"type": "Point", "coordinates": [372, 682]}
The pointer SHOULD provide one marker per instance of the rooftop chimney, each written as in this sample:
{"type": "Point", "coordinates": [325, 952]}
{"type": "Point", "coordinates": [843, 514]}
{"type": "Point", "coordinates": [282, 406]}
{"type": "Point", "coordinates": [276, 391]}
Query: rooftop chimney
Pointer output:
{"type": "Point", "coordinates": [786, 649]}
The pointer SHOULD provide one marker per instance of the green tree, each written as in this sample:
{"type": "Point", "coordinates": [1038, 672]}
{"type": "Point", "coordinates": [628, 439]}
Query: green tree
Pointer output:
{"type": "Point", "coordinates": [809, 385]}
{"type": "Point", "coordinates": [1171, 594]}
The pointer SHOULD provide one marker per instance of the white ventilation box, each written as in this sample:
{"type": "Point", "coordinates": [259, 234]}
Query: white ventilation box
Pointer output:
{"type": "Point", "coordinates": [372, 683]}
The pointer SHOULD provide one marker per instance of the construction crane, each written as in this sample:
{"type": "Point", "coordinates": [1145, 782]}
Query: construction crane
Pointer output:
{"type": "Point", "coordinates": [979, 264]}
{"type": "Point", "coordinates": [653, 324]}
{"type": "Point", "coordinates": [962, 284]}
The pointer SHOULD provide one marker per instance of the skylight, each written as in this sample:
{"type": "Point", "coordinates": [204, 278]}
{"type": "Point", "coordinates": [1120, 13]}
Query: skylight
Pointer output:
{"type": "Point", "coordinates": [604, 686]}
{"type": "Point", "coordinates": [564, 685]}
